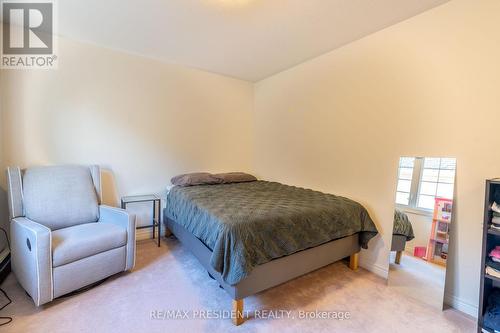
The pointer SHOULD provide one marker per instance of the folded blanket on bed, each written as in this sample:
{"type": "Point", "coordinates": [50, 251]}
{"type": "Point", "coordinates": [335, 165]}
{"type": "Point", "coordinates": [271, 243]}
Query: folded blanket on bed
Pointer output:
{"type": "Point", "coordinates": [249, 224]}
{"type": "Point", "coordinates": [402, 225]}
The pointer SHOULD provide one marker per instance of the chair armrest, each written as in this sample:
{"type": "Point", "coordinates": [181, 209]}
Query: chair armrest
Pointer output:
{"type": "Point", "coordinates": [124, 219]}
{"type": "Point", "coordinates": [31, 244]}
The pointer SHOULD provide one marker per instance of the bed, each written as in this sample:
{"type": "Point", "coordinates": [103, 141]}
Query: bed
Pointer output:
{"type": "Point", "coordinates": [252, 236]}
{"type": "Point", "coordinates": [402, 232]}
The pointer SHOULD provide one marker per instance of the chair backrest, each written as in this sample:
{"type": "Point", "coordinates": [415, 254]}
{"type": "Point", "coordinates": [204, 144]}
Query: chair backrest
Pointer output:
{"type": "Point", "coordinates": [55, 196]}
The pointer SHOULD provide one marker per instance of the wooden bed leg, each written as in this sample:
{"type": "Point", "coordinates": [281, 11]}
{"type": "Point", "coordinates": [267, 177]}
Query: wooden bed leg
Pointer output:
{"type": "Point", "coordinates": [398, 257]}
{"type": "Point", "coordinates": [238, 312]}
{"type": "Point", "coordinates": [353, 261]}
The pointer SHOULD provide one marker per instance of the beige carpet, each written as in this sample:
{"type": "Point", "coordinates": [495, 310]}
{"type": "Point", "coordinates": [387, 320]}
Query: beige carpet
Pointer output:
{"type": "Point", "coordinates": [170, 278]}
{"type": "Point", "coordinates": [419, 279]}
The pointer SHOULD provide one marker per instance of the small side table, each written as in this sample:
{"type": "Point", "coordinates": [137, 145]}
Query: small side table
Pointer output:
{"type": "Point", "coordinates": [156, 210]}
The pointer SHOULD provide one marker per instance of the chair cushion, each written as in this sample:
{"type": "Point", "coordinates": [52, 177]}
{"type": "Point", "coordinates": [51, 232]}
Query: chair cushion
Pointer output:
{"type": "Point", "coordinates": [60, 196]}
{"type": "Point", "coordinates": [85, 240]}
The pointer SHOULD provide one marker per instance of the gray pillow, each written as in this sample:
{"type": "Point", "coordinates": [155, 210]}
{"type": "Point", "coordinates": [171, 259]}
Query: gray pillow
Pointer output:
{"type": "Point", "coordinates": [235, 177]}
{"type": "Point", "coordinates": [196, 178]}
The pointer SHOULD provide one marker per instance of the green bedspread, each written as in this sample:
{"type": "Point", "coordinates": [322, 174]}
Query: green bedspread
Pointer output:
{"type": "Point", "coordinates": [402, 225]}
{"type": "Point", "coordinates": [249, 224]}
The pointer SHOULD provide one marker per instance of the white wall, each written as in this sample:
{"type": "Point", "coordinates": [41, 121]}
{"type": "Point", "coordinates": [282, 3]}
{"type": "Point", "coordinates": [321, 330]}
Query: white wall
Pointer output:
{"type": "Point", "coordinates": [428, 86]}
{"type": "Point", "coordinates": [421, 225]}
{"type": "Point", "coordinates": [145, 121]}
{"type": "Point", "coordinates": [4, 215]}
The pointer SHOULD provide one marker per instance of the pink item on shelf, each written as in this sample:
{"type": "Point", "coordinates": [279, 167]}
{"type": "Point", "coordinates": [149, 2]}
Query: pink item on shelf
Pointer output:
{"type": "Point", "coordinates": [420, 251]}
{"type": "Point", "coordinates": [495, 253]}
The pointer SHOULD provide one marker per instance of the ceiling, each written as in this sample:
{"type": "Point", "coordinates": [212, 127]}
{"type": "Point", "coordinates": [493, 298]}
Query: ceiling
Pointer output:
{"type": "Point", "coordinates": [245, 39]}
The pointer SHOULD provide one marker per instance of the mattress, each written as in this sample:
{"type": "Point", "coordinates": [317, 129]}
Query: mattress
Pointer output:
{"type": "Point", "coordinates": [249, 224]}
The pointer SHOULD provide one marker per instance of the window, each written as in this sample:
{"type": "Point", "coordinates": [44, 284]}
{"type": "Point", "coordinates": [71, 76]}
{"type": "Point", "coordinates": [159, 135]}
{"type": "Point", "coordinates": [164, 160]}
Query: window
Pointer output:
{"type": "Point", "coordinates": [405, 176]}
{"type": "Point", "coordinates": [421, 180]}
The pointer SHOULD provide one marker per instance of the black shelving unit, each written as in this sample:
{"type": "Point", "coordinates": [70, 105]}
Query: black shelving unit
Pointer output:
{"type": "Point", "coordinates": [491, 238]}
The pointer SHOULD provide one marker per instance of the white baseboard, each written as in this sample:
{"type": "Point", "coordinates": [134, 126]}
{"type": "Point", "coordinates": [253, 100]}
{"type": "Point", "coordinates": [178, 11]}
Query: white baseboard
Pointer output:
{"type": "Point", "coordinates": [461, 305]}
{"type": "Point", "coordinates": [142, 234]}
{"type": "Point", "coordinates": [375, 268]}
{"type": "Point", "coordinates": [410, 250]}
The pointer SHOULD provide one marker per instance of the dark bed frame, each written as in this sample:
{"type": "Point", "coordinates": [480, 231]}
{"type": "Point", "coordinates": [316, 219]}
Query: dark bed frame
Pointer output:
{"type": "Point", "coordinates": [398, 244]}
{"type": "Point", "coordinates": [273, 273]}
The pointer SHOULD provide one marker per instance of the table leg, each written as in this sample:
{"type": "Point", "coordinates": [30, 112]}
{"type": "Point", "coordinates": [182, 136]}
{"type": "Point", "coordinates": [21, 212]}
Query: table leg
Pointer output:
{"type": "Point", "coordinates": [158, 212]}
{"type": "Point", "coordinates": [154, 215]}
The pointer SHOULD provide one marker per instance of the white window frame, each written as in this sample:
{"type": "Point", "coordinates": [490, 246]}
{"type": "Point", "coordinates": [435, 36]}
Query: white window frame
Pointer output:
{"type": "Point", "coordinates": [418, 169]}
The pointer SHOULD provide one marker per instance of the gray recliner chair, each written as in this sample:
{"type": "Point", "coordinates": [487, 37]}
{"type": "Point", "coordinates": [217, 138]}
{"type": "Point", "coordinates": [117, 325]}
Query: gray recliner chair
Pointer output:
{"type": "Point", "coordinates": [62, 238]}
